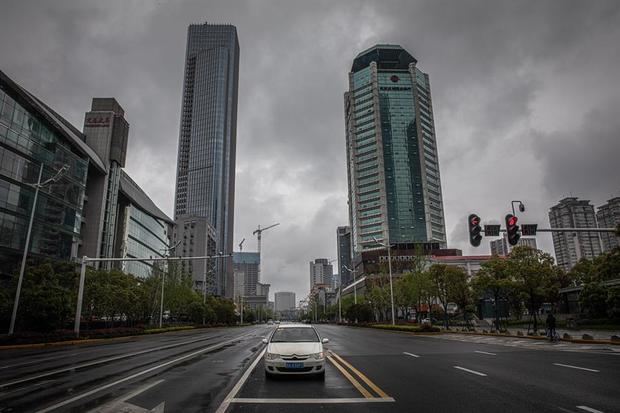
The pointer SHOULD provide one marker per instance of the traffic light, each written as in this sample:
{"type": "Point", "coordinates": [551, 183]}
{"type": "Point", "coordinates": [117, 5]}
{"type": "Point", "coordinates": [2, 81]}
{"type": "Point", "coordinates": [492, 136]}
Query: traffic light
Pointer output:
{"type": "Point", "coordinates": [474, 230]}
{"type": "Point", "coordinates": [512, 229]}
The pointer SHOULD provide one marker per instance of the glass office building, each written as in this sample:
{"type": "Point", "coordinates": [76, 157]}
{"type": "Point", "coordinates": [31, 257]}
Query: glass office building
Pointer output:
{"type": "Point", "coordinates": [143, 230]}
{"type": "Point", "coordinates": [31, 136]}
{"type": "Point", "coordinates": [205, 184]}
{"type": "Point", "coordinates": [392, 163]}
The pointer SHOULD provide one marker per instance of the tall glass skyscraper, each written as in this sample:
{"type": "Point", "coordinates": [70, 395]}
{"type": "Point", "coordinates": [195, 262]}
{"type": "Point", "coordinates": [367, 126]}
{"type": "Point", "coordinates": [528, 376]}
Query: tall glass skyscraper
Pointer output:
{"type": "Point", "coordinates": [205, 184]}
{"type": "Point", "coordinates": [393, 170]}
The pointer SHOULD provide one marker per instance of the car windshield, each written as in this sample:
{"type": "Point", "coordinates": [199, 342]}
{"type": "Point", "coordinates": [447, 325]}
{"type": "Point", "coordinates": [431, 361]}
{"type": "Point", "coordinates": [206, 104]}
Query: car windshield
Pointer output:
{"type": "Point", "coordinates": [295, 335]}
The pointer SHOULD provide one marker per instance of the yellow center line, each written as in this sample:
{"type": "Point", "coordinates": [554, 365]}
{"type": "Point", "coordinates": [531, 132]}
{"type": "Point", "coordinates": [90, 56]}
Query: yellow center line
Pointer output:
{"type": "Point", "coordinates": [352, 379]}
{"type": "Point", "coordinates": [366, 380]}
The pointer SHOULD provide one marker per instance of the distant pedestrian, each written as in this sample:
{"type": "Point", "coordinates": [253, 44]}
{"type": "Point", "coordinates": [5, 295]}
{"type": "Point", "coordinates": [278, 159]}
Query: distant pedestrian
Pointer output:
{"type": "Point", "coordinates": [551, 326]}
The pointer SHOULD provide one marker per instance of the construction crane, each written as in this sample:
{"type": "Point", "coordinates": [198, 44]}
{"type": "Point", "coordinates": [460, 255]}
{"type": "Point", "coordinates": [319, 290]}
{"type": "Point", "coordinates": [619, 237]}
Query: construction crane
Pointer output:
{"type": "Point", "coordinates": [259, 232]}
{"type": "Point", "coordinates": [241, 245]}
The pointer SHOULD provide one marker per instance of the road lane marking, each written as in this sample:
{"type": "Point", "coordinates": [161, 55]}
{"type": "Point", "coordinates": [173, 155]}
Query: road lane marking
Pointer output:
{"type": "Point", "coordinates": [366, 380]}
{"type": "Point", "coordinates": [410, 354]}
{"type": "Point", "coordinates": [97, 362]}
{"type": "Point", "coordinates": [141, 373]}
{"type": "Point", "coordinates": [233, 392]}
{"type": "Point", "coordinates": [470, 371]}
{"type": "Point", "coordinates": [115, 405]}
{"type": "Point", "coordinates": [485, 352]}
{"type": "Point", "coordinates": [338, 400]}
{"type": "Point", "coordinates": [575, 367]}
{"type": "Point", "coordinates": [352, 379]}
{"type": "Point", "coordinates": [589, 409]}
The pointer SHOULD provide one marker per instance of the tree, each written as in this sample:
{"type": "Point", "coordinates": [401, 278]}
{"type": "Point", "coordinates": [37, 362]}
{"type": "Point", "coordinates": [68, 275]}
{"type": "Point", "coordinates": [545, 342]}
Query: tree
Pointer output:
{"type": "Point", "coordinates": [613, 303]}
{"type": "Point", "coordinates": [534, 273]}
{"type": "Point", "coordinates": [494, 278]}
{"type": "Point", "coordinates": [448, 283]}
{"type": "Point", "coordinates": [593, 300]}
{"type": "Point", "coordinates": [47, 299]}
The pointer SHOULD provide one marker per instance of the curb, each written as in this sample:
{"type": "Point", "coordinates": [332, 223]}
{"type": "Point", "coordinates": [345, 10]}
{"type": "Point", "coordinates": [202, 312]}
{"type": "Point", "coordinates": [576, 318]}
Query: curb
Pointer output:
{"type": "Point", "coordinates": [572, 340]}
{"type": "Point", "coordinates": [86, 340]}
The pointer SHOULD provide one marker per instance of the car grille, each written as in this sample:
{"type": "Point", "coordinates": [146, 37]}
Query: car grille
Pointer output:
{"type": "Point", "coordinates": [295, 357]}
{"type": "Point", "coordinates": [287, 370]}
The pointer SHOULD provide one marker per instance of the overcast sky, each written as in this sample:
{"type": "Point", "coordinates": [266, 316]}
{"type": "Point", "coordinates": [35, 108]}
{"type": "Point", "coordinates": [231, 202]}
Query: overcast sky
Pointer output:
{"type": "Point", "coordinates": [526, 97]}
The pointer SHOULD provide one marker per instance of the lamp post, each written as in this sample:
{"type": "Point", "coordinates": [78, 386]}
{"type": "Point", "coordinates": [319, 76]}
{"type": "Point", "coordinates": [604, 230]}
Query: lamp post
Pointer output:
{"type": "Point", "coordinates": [163, 282]}
{"type": "Point", "coordinates": [354, 286]}
{"type": "Point", "coordinates": [389, 247]}
{"type": "Point", "coordinates": [37, 186]}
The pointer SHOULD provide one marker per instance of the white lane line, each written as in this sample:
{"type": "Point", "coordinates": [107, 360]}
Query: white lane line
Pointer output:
{"type": "Point", "coordinates": [470, 371]}
{"type": "Point", "coordinates": [485, 352]}
{"type": "Point", "coordinates": [337, 400]}
{"type": "Point", "coordinates": [96, 362]}
{"type": "Point", "coordinates": [114, 404]}
{"type": "Point", "coordinates": [410, 354]}
{"type": "Point", "coordinates": [230, 397]}
{"type": "Point", "coordinates": [575, 367]}
{"type": "Point", "coordinates": [589, 409]}
{"type": "Point", "coordinates": [141, 373]}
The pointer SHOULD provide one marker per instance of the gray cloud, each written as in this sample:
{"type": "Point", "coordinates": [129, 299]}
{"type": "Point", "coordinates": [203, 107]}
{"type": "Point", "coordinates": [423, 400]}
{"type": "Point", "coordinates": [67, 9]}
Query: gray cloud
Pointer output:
{"type": "Point", "coordinates": [539, 78]}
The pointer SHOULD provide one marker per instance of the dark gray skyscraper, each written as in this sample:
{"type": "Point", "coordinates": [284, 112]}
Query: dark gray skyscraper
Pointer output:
{"type": "Point", "coordinates": [205, 183]}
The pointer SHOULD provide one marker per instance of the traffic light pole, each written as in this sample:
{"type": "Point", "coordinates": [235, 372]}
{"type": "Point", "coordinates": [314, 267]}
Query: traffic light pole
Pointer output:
{"type": "Point", "coordinates": [570, 230]}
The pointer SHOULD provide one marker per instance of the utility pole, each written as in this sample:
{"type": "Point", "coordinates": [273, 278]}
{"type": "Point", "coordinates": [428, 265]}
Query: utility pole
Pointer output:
{"type": "Point", "coordinates": [37, 186]}
{"type": "Point", "coordinates": [389, 247]}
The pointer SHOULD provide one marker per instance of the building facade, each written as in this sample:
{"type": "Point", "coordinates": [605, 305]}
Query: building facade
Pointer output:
{"type": "Point", "coordinates": [33, 136]}
{"type": "Point", "coordinates": [608, 216]}
{"type": "Point", "coordinates": [501, 246]}
{"type": "Point", "coordinates": [106, 131]}
{"type": "Point", "coordinates": [195, 237]}
{"type": "Point", "coordinates": [205, 182]}
{"type": "Point", "coordinates": [392, 163]}
{"type": "Point", "coordinates": [142, 230]}
{"type": "Point", "coordinates": [246, 270]}
{"type": "Point", "coordinates": [284, 301]}
{"type": "Point", "coordinates": [570, 247]}
{"type": "Point", "coordinates": [94, 208]}
{"type": "Point", "coordinates": [343, 241]}
{"type": "Point", "coordinates": [321, 272]}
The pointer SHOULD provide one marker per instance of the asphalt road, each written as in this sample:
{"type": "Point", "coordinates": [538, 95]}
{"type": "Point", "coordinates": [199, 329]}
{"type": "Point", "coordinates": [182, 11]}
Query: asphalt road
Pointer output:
{"type": "Point", "coordinates": [220, 370]}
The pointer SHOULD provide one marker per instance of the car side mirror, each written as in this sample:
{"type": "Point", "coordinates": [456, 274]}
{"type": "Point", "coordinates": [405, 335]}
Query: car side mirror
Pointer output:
{"type": "Point", "coordinates": [325, 340]}
{"type": "Point", "coordinates": [265, 341]}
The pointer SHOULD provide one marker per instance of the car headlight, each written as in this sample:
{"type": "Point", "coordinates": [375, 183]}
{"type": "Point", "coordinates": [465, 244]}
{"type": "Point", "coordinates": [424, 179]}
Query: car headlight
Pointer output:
{"type": "Point", "coordinates": [317, 356]}
{"type": "Point", "coordinates": [271, 356]}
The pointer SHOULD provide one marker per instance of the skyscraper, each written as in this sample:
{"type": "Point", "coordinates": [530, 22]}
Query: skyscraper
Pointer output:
{"type": "Point", "coordinates": [570, 247]}
{"type": "Point", "coordinates": [284, 301]}
{"type": "Point", "coordinates": [205, 184]}
{"type": "Point", "coordinates": [321, 272]}
{"type": "Point", "coordinates": [392, 164]}
{"type": "Point", "coordinates": [608, 216]}
{"type": "Point", "coordinates": [343, 239]}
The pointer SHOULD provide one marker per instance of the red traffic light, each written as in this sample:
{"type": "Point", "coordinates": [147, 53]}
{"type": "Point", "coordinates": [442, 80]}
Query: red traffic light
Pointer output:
{"type": "Point", "coordinates": [512, 221]}
{"type": "Point", "coordinates": [475, 220]}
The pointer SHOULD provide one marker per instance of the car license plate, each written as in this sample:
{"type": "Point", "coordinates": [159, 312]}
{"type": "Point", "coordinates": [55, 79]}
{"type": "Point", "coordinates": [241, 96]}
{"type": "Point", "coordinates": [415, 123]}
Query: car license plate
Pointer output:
{"type": "Point", "coordinates": [294, 365]}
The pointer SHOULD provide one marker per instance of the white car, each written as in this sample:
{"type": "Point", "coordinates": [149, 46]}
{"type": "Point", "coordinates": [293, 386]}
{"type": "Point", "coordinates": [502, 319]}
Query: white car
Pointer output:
{"type": "Point", "coordinates": [295, 349]}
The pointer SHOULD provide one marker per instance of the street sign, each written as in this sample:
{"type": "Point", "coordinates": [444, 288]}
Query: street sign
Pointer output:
{"type": "Point", "coordinates": [491, 230]}
{"type": "Point", "coordinates": [529, 229]}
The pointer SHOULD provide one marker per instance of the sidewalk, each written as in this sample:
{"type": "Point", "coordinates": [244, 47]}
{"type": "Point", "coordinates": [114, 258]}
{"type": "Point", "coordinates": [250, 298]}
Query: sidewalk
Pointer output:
{"type": "Point", "coordinates": [596, 334]}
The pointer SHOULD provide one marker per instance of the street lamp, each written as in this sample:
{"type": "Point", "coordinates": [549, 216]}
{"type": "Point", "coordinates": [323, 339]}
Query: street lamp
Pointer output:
{"type": "Point", "coordinates": [354, 286]}
{"type": "Point", "coordinates": [389, 247]}
{"type": "Point", "coordinates": [521, 207]}
{"type": "Point", "coordinates": [37, 186]}
{"type": "Point", "coordinates": [163, 281]}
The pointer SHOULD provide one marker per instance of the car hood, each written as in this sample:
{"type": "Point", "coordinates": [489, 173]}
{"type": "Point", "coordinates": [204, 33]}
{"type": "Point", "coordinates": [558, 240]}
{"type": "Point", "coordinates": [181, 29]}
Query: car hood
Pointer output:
{"type": "Point", "coordinates": [299, 349]}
